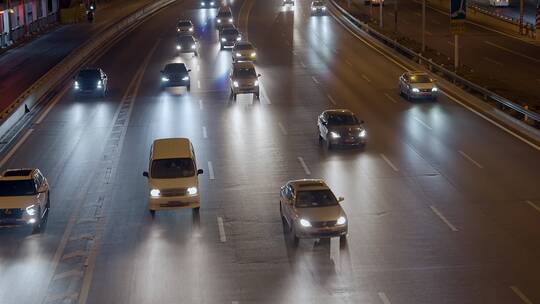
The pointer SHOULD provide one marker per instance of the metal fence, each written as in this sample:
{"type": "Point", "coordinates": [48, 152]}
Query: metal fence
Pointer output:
{"type": "Point", "coordinates": [35, 27]}
{"type": "Point", "coordinates": [487, 94]}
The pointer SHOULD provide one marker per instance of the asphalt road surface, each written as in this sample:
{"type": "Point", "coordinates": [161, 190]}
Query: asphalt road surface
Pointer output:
{"type": "Point", "coordinates": [443, 207]}
{"type": "Point", "coordinates": [505, 64]}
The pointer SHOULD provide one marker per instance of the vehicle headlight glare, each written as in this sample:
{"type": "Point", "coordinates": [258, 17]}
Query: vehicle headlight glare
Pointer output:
{"type": "Point", "coordinates": [193, 47]}
{"type": "Point", "coordinates": [363, 133]}
{"type": "Point", "coordinates": [76, 84]}
{"type": "Point", "coordinates": [256, 83]}
{"type": "Point", "coordinates": [99, 84]}
{"type": "Point", "coordinates": [335, 135]}
{"type": "Point", "coordinates": [238, 38]}
{"type": "Point", "coordinates": [31, 210]}
{"type": "Point", "coordinates": [253, 54]}
{"type": "Point", "coordinates": [238, 55]}
{"type": "Point", "coordinates": [341, 220]}
{"type": "Point", "coordinates": [155, 192]}
{"type": "Point", "coordinates": [192, 190]}
{"type": "Point", "coordinates": [164, 79]}
{"type": "Point", "coordinates": [191, 29]}
{"type": "Point", "coordinates": [324, 8]}
{"type": "Point", "coordinates": [434, 89]}
{"type": "Point", "coordinates": [235, 83]}
{"type": "Point", "coordinates": [203, 4]}
{"type": "Point", "coordinates": [305, 223]}
{"type": "Point", "coordinates": [223, 39]}
{"type": "Point", "coordinates": [416, 90]}
{"type": "Point", "coordinates": [185, 78]}
{"type": "Point", "coordinates": [178, 47]}
{"type": "Point", "coordinates": [230, 20]}
{"type": "Point", "coordinates": [313, 8]}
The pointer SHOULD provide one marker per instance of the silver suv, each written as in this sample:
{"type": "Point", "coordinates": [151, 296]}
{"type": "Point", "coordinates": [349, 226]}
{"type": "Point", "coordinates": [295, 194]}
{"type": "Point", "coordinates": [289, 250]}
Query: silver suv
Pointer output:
{"type": "Point", "coordinates": [244, 79]}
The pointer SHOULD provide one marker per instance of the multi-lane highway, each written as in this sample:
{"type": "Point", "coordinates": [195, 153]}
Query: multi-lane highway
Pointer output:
{"type": "Point", "coordinates": [443, 206]}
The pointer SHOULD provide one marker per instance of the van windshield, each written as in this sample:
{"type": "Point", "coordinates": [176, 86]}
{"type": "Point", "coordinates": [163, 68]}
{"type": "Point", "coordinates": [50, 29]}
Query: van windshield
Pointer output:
{"type": "Point", "coordinates": [172, 168]}
{"type": "Point", "coordinates": [17, 188]}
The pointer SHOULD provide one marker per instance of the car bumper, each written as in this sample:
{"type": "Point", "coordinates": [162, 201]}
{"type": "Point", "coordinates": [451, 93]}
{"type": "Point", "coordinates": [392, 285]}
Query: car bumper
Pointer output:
{"type": "Point", "coordinates": [327, 232]}
{"type": "Point", "coordinates": [16, 219]}
{"type": "Point", "coordinates": [180, 83]}
{"type": "Point", "coordinates": [174, 202]}
{"type": "Point", "coordinates": [246, 90]}
{"type": "Point", "coordinates": [353, 141]}
{"type": "Point", "coordinates": [424, 95]}
{"type": "Point", "coordinates": [228, 43]}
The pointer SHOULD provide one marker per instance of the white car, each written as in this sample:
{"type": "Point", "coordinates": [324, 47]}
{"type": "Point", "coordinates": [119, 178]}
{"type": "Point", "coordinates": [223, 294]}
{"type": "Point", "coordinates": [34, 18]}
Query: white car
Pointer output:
{"type": "Point", "coordinates": [24, 197]}
{"type": "Point", "coordinates": [185, 27]}
{"type": "Point", "coordinates": [173, 177]}
{"type": "Point", "coordinates": [310, 210]}
{"type": "Point", "coordinates": [318, 7]}
{"type": "Point", "coordinates": [244, 51]}
{"type": "Point", "coordinates": [417, 84]}
{"type": "Point", "coordinates": [499, 3]}
{"type": "Point", "coordinates": [224, 17]}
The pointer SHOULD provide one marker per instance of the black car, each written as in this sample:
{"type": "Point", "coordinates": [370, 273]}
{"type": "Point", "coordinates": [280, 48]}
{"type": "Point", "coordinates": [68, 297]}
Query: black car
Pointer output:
{"type": "Point", "coordinates": [91, 80]}
{"type": "Point", "coordinates": [340, 127]}
{"type": "Point", "coordinates": [187, 44]}
{"type": "Point", "coordinates": [229, 36]}
{"type": "Point", "coordinates": [175, 75]}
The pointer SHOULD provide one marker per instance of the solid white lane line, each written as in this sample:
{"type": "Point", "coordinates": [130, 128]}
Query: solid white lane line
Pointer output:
{"type": "Point", "coordinates": [210, 171]}
{"type": "Point", "coordinates": [470, 159]}
{"type": "Point", "coordinates": [492, 61]}
{"type": "Point", "coordinates": [530, 203]}
{"type": "Point", "coordinates": [389, 162]}
{"type": "Point", "coordinates": [390, 97]}
{"type": "Point", "coordinates": [198, 67]}
{"type": "Point", "coordinates": [198, 84]}
{"type": "Point", "coordinates": [443, 218]}
{"type": "Point", "coordinates": [263, 93]}
{"type": "Point", "coordinates": [366, 78]}
{"type": "Point", "coordinates": [200, 104]}
{"type": "Point", "coordinates": [282, 128]}
{"type": "Point", "coordinates": [204, 133]}
{"type": "Point", "coordinates": [306, 169]}
{"type": "Point", "coordinates": [315, 80]}
{"type": "Point", "coordinates": [52, 104]}
{"type": "Point", "coordinates": [512, 51]}
{"type": "Point", "coordinates": [222, 236]}
{"type": "Point", "coordinates": [384, 298]}
{"type": "Point", "coordinates": [521, 295]}
{"type": "Point", "coordinates": [335, 252]}
{"type": "Point", "coordinates": [422, 123]}
{"type": "Point", "coordinates": [331, 99]}
{"type": "Point", "coordinates": [16, 147]}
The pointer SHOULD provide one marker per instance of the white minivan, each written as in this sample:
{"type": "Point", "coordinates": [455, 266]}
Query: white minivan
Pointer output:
{"type": "Point", "coordinates": [173, 177]}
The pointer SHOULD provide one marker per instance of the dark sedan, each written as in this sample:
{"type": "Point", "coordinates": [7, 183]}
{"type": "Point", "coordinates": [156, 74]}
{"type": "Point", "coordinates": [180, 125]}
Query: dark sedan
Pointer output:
{"type": "Point", "coordinates": [341, 127]}
{"type": "Point", "coordinates": [92, 81]}
{"type": "Point", "coordinates": [175, 75]}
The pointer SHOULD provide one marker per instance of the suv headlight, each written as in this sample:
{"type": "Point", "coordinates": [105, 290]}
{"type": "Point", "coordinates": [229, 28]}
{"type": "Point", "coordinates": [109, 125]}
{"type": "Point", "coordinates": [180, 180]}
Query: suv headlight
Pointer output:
{"type": "Point", "coordinates": [305, 223]}
{"type": "Point", "coordinates": [235, 84]}
{"type": "Point", "coordinates": [155, 193]}
{"type": "Point", "coordinates": [363, 133]}
{"type": "Point", "coordinates": [416, 90]}
{"type": "Point", "coordinates": [164, 79]}
{"type": "Point", "coordinates": [434, 89]}
{"type": "Point", "coordinates": [192, 190]}
{"type": "Point", "coordinates": [341, 220]}
{"type": "Point", "coordinates": [31, 210]}
{"type": "Point", "coordinates": [335, 135]}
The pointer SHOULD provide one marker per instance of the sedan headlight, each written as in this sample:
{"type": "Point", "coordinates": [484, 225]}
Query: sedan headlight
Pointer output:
{"type": "Point", "coordinates": [416, 90]}
{"type": "Point", "coordinates": [335, 135]}
{"type": "Point", "coordinates": [185, 78]}
{"type": "Point", "coordinates": [363, 133]}
{"type": "Point", "coordinates": [230, 19]}
{"type": "Point", "coordinates": [238, 55]}
{"type": "Point", "coordinates": [235, 84]}
{"type": "Point", "coordinates": [253, 54]}
{"type": "Point", "coordinates": [223, 39]}
{"type": "Point", "coordinates": [178, 47]}
{"type": "Point", "coordinates": [31, 210]}
{"type": "Point", "coordinates": [155, 193]}
{"type": "Point", "coordinates": [434, 89]}
{"type": "Point", "coordinates": [193, 47]}
{"type": "Point", "coordinates": [305, 223]}
{"type": "Point", "coordinates": [341, 220]}
{"type": "Point", "coordinates": [192, 190]}
{"type": "Point", "coordinates": [164, 79]}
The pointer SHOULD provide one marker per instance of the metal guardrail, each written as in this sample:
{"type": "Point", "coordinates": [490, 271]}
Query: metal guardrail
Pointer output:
{"type": "Point", "coordinates": [487, 94]}
{"type": "Point", "coordinates": [514, 21]}
{"type": "Point", "coordinates": [46, 85]}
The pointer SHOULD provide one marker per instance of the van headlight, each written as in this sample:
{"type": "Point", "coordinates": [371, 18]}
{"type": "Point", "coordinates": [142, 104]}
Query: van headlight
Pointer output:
{"type": "Point", "coordinates": [31, 210]}
{"type": "Point", "coordinates": [155, 193]}
{"type": "Point", "coordinates": [416, 90]}
{"type": "Point", "coordinates": [235, 84]}
{"type": "Point", "coordinates": [192, 190]}
{"type": "Point", "coordinates": [363, 133]}
{"type": "Point", "coordinates": [305, 223]}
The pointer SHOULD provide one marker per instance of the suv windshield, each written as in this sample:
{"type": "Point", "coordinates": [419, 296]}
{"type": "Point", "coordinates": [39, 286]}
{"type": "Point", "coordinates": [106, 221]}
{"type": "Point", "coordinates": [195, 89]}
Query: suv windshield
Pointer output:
{"type": "Point", "coordinates": [172, 168]}
{"type": "Point", "coordinates": [89, 74]}
{"type": "Point", "coordinates": [315, 198]}
{"type": "Point", "coordinates": [244, 73]}
{"type": "Point", "coordinates": [420, 79]}
{"type": "Point", "coordinates": [175, 68]}
{"type": "Point", "coordinates": [230, 31]}
{"type": "Point", "coordinates": [17, 188]}
{"type": "Point", "coordinates": [342, 119]}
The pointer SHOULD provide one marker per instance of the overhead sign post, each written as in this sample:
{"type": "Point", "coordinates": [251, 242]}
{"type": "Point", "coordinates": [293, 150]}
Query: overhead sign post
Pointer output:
{"type": "Point", "coordinates": [458, 15]}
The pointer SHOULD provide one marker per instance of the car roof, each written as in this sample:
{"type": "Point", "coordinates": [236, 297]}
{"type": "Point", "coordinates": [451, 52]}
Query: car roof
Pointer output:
{"type": "Point", "coordinates": [243, 65]}
{"type": "Point", "coordinates": [18, 174]}
{"type": "Point", "coordinates": [164, 148]}
{"type": "Point", "coordinates": [308, 184]}
{"type": "Point", "coordinates": [338, 111]}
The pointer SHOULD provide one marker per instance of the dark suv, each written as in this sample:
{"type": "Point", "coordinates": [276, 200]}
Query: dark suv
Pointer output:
{"type": "Point", "coordinates": [175, 75]}
{"type": "Point", "coordinates": [91, 80]}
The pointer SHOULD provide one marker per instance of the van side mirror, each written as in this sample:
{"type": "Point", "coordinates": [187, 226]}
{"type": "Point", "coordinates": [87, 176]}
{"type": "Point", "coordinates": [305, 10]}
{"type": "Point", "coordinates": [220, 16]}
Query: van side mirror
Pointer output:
{"type": "Point", "coordinates": [341, 199]}
{"type": "Point", "coordinates": [145, 174]}
{"type": "Point", "coordinates": [200, 171]}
